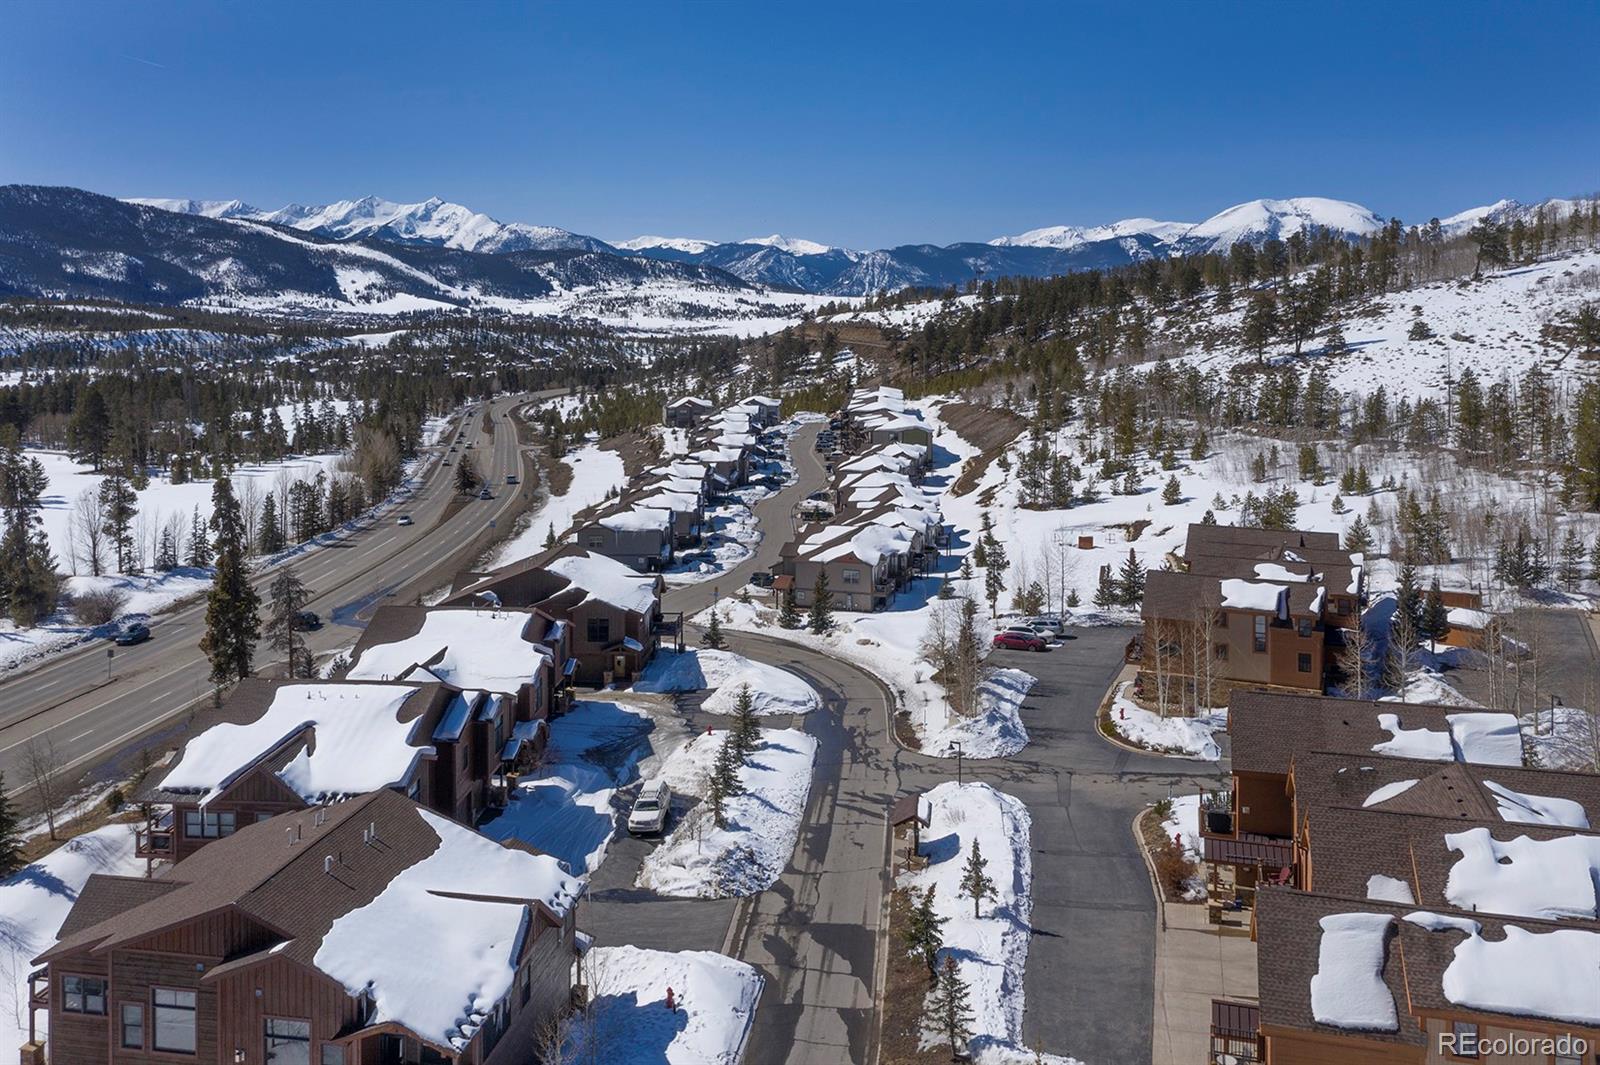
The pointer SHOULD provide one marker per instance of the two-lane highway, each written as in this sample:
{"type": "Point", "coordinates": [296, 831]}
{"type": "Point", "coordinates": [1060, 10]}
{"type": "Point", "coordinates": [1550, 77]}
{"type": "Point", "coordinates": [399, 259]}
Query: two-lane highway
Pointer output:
{"type": "Point", "coordinates": [88, 706]}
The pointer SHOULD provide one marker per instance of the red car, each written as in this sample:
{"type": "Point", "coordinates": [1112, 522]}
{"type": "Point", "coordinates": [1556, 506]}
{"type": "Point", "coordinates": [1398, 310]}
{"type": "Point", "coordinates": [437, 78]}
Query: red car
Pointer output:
{"type": "Point", "coordinates": [1020, 641]}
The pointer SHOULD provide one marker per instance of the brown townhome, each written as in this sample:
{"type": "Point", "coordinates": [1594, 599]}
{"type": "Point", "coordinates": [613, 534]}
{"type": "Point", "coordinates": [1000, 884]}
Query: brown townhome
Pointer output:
{"type": "Point", "coordinates": [610, 614]}
{"type": "Point", "coordinates": [371, 932]}
{"type": "Point", "coordinates": [1247, 607]}
{"type": "Point", "coordinates": [276, 746]}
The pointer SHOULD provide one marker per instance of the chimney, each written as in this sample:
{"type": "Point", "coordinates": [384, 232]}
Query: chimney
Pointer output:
{"type": "Point", "coordinates": [327, 865]}
{"type": "Point", "coordinates": [372, 831]}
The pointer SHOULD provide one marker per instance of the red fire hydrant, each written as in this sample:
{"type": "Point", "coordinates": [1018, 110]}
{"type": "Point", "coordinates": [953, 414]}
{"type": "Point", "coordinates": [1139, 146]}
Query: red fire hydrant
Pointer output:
{"type": "Point", "coordinates": [672, 1002]}
{"type": "Point", "coordinates": [1122, 712]}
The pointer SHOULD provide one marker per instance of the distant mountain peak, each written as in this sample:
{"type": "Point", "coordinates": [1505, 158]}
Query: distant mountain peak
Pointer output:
{"type": "Point", "coordinates": [791, 245]}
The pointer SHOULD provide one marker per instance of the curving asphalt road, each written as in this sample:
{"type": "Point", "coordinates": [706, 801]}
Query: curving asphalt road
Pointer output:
{"type": "Point", "coordinates": [91, 708]}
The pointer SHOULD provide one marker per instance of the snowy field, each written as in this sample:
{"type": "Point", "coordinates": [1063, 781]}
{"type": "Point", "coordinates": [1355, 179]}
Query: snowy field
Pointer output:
{"type": "Point", "coordinates": [1184, 737]}
{"type": "Point", "coordinates": [700, 860]}
{"type": "Point", "coordinates": [35, 900]}
{"type": "Point", "coordinates": [595, 472]}
{"type": "Point", "coordinates": [772, 690]}
{"type": "Point", "coordinates": [629, 1023]}
{"type": "Point", "coordinates": [565, 809]}
{"type": "Point", "coordinates": [991, 950]}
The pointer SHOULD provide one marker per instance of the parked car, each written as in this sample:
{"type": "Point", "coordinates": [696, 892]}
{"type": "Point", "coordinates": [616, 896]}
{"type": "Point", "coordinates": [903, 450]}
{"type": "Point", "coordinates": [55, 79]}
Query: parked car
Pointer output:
{"type": "Point", "coordinates": [1020, 640]}
{"type": "Point", "coordinates": [1052, 622]}
{"type": "Point", "coordinates": [128, 635]}
{"type": "Point", "coordinates": [307, 621]}
{"type": "Point", "coordinates": [1043, 628]}
{"type": "Point", "coordinates": [821, 495]}
{"type": "Point", "coordinates": [404, 519]}
{"type": "Point", "coordinates": [649, 814]}
{"type": "Point", "coordinates": [761, 579]}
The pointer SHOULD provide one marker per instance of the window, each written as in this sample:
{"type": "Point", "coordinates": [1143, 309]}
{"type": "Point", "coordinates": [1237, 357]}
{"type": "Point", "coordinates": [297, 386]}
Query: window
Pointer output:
{"type": "Point", "coordinates": [83, 994]}
{"type": "Point", "coordinates": [1304, 627]}
{"type": "Point", "coordinates": [1568, 1059]}
{"type": "Point", "coordinates": [174, 1020]}
{"type": "Point", "coordinates": [851, 576]}
{"type": "Point", "coordinates": [1221, 652]}
{"type": "Point", "coordinates": [332, 1054]}
{"type": "Point", "coordinates": [599, 630]}
{"type": "Point", "coordinates": [1305, 664]}
{"type": "Point", "coordinates": [1261, 633]}
{"type": "Point", "coordinates": [262, 815]}
{"type": "Point", "coordinates": [1221, 619]}
{"type": "Point", "coordinates": [288, 1042]}
{"type": "Point", "coordinates": [1466, 1034]}
{"type": "Point", "coordinates": [198, 824]}
{"type": "Point", "coordinates": [594, 540]}
{"type": "Point", "coordinates": [527, 984]}
{"type": "Point", "coordinates": [132, 1026]}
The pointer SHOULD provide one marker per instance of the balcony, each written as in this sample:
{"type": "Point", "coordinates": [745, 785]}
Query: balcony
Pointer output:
{"type": "Point", "coordinates": [1235, 1033]}
{"type": "Point", "coordinates": [156, 838]}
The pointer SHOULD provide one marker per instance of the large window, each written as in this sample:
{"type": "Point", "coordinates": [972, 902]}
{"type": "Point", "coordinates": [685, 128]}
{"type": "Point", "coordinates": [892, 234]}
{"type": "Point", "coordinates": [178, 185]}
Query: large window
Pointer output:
{"type": "Point", "coordinates": [132, 1026]}
{"type": "Point", "coordinates": [83, 994]}
{"type": "Point", "coordinates": [1466, 1034]}
{"type": "Point", "coordinates": [174, 1020]}
{"type": "Point", "coordinates": [1261, 633]}
{"type": "Point", "coordinates": [1304, 627]}
{"type": "Point", "coordinates": [851, 576]}
{"type": "Point", "coordinates": [198, 824]}
{"type": "Point", "coordinates": [288, 1042]}
{"type": "Point", "coordinates": [599, 630]}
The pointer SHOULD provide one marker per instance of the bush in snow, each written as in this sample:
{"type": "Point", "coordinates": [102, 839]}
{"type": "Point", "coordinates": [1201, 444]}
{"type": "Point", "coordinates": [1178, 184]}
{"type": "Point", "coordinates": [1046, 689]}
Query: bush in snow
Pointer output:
{"type": "Point", "coordinates": [99, 606]}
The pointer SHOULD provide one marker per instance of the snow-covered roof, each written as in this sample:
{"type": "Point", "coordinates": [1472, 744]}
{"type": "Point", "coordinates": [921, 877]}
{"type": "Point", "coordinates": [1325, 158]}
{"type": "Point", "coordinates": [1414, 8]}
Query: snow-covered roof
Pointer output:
{"type": "Point", "coordinates": [1388, 791]}
{"type": "Point", "coordinates": [665, 499]}
{"type": "Point", "coordinates": [1348, 989]}
{"type": "Point", "coordinates": [455, 718]}
{"type": "Point", "coordinates": [464, 648]}
{"type": "Point", "coordinates": [1554, 974]}
{"type": "Point", "coordinates": [1381, 888]}
{"type": "Point", "coordinates": [1546, 878]}
{"type": "Point", "coordinates": [1240, 594]}
{"type": "Point", "coordinates": [1462, 617]}
{"type": "Point", "coordinates": [473, 943]}
{"type": "Point", "coordinates": [637, 519]}
{"type": "Point", "coordinates": [1525, 809]}
{"type": "Point", "coordinates": [607, 580]}
{"type": "Point", "coordinates": [765, 401]}
{"type": "Point", "coordinates": [869, 543]}
{"type": "Point", "coordinates": [691, 401]}
{"type": "Point", "coordinates": [357, 743]}
{"type": "Point", "coordinates": [1482, 738]}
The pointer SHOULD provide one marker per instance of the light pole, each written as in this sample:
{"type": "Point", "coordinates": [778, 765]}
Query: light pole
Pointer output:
{"type": "Point", "coordinates": [956, 746]}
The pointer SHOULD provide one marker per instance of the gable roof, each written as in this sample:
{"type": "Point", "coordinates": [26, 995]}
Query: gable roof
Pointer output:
{"type": "Point", "coordinates": [464, 646]}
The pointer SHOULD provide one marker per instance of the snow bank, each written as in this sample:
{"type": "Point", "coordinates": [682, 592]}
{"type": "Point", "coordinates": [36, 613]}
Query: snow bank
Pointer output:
{"type": "Point", "coordinates": [1190, 737]}
{"type": "Point", "coordinates": [1348, 990]}
{"type": "Point", "coordinates": [772, 690]}
{"type": "Point", "coordinates": [594, 473]}
{"type": "Point", "coordinates": [996, 731]}
{"type": "Point", "coordinates": [991, 951]}
{"type": "Point", "coordinates": [35, 900]}
{"type": "Point", "coordinates": [629, 1023]}
{"type": "Point", "coordinates": [700, 860]}
{"type": "Point", "coordinates": [473, 943]}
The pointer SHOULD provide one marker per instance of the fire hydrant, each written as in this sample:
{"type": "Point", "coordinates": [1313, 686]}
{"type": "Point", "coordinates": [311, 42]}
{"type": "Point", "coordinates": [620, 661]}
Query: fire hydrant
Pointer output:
{"type": "Point", "coordinates": [1122, 712]}
{"type": "Point", "coordinates": [672, 1002]}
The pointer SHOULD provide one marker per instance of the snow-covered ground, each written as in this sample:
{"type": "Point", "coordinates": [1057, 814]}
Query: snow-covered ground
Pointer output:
{"type": "Point", "coordinates": [1188, 737]}
{"type": "Point", "coordinates": [990, 950]}
{"type": "Point", "coordinates": [1183, 824]}
{"type": "Point", "coordinates": [997, 730]}
{"type": "Point", "coordinates": [700, 860]}
{"type": "Point", "coordinates": [595, 472]}
{"type": "Point", "coordinates": [565, 809]}
{"type": "Point", "coordinates": [772, 690]}
{"type": "Point", "coordinates": [35, 900]}
{"type": "Point", "coordinates": [628, 1022]}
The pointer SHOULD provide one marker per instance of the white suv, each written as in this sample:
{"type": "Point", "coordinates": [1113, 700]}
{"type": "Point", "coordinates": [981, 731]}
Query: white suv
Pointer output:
{"type": "Point", "coordinates": [649, 814]}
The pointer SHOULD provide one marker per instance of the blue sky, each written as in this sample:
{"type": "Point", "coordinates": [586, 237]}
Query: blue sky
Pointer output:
{"type": "Point", "coordinates": [860, 124]}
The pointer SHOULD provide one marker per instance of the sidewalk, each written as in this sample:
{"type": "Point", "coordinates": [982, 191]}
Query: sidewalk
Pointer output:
{"type": "Point", "coordinates": [1194, 964]}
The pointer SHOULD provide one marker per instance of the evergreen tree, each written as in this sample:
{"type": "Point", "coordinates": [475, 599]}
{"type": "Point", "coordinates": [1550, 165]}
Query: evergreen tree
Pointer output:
{"type": "Point", "coordinates": [199, 542]}
{"type": "Point", "coordinates": [950, 1005]}
{"type": "Point", "coordinates": [1105, 592]}
{"type": "Point", "coordinates": [166, 558]}
{"type": "Point", "coordinates": [1570, 569]}
{"type": "Point", "coordinates": [819, 619]}
{"type": "Point", "coordinates": [1208, 518]}
{"type": "Point", "coordinates": [1260, 323]}
{"type": "Point", "coordinates": [269, 534]}
{"type": "Point", "coordinates": [29, 584]}
{"type": "Point", "coordinates": [713, 635]}
{"type": "Point", "coordinates": [1130, 581]}
{"type": "Point", "coordinates": [724, 783]}
{"type": "Point", "coordinates": [1594, 561]}
{"type": "Point", "coordinates": [288, 596]}
{"type": "Point", "coordinates": [966, 566]}
{"type": "Point", "coordinates": [89, 432]}
{"type": "Point", "coordinates": [1408, 601]}
{"type": "Point", "coordinates": [119, 505]}
{"type": "Point", "coordinates": [745, 732]}
{"type": "Point", "coordinates": [10, 834]}
{"type": "Point", "coordinates": [1172, 494]}
{"type": "Point", "coordinates": [232, 622]}
{"type": "Point", "coordinates": [924, 931]}
{"type": "Point", "coordinates": [466, 475]}
{"type": "Point", "coordinates": [788, 614]}
{"type": "Point", "coordinates": [976, 884]}
{"type": "Point", "coordinates": [1358, 538]}
{"type": "Point", "coordinates": [994, 580]}
{"type": "Point", "coordinates": [550, 537]}
{"type": "Point", "coordinates": [1435, 617]}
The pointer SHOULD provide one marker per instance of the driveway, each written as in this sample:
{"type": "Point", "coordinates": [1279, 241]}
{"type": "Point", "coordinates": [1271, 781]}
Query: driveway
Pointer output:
{"type": "Point", "coordinates": [1091, 965]}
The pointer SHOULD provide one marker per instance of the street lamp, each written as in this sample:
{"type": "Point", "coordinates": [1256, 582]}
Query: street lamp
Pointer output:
{"type": "Point", "coordinates": [956, 746]}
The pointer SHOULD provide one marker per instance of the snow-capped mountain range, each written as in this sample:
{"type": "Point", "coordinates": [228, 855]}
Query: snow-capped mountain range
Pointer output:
{"type": "Point", "coordinates": [500, 251]}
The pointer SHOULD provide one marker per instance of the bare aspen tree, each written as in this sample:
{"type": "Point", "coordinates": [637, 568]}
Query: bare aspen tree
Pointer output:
{"type": "Point", "coordinates": [1204, 631]}
{"type": "Point", "coordinates": [43, 764]}
{"type": "Point", "coordinates": [87, 524]}
{"type": "Point", "coordinates": [1355, 661]}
